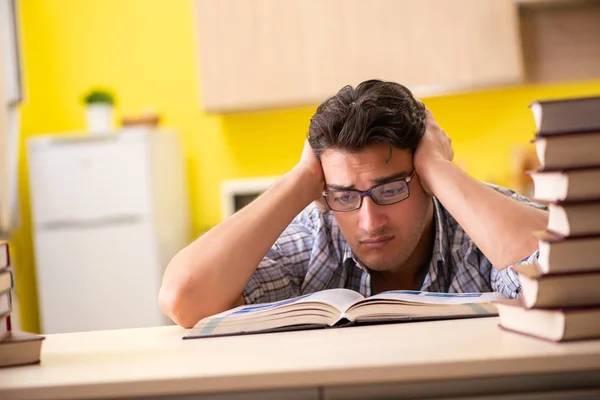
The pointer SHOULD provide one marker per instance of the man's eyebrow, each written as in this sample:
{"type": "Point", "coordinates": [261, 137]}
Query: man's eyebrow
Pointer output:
{"type": "Point", "coordinates": [331, 186]}
{"type": "Point", "coordinates": [377, 181]}
{"type": "Point", "coordinates": [386, 179]}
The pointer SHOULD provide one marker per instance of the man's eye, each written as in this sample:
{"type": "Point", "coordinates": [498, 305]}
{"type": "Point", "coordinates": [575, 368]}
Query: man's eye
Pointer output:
{"type": "Point", "coordinates": [343, 198]}
{"type": "Point", "coordinates": [391, 192]}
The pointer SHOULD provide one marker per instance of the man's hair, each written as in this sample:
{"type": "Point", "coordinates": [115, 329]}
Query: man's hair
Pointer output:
{"type": "Point", "coordinates": [373, 112]}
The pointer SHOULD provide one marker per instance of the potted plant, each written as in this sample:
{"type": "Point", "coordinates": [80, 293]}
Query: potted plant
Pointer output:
{"type": "Point", "coordinates": [99, 111]}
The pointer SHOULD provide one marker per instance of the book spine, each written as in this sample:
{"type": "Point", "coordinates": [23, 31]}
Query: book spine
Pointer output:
{"type": "Point", "coordinates": [4, 248]}
{"type": "Point", "coordinates": [548, 134]}
{"type": "Point", "coordinates": [558, 238]}
{"type": "Point", "coordinates": [565, 170]}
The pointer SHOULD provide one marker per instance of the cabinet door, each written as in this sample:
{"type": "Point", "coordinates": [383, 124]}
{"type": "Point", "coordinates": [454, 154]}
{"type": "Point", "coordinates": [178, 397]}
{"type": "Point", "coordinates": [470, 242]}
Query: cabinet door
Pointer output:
{"type": "Point", "coordinates": [269, 53]}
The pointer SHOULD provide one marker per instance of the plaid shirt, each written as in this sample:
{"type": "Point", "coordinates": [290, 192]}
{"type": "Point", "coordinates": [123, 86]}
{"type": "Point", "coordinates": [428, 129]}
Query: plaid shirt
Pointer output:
{"type": "Point", "coordinates": [312, 255]}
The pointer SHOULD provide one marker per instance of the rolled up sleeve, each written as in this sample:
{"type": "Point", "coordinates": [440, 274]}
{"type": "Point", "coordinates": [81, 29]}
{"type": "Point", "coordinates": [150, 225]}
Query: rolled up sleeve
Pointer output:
{"type": "Point", "coordinates": [507, 281]}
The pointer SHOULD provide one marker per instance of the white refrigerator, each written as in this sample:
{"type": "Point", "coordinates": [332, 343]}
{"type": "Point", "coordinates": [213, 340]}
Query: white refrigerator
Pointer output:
{"type": "Point", "coordinates": [108, 213]}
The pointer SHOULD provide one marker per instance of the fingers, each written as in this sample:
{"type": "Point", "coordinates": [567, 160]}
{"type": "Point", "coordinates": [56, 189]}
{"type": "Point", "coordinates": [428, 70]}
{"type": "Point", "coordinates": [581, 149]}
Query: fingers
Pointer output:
{"type": "Point", "coordinates": [309, 163]}
{"type": "Point", "coordinates": [430, 120]}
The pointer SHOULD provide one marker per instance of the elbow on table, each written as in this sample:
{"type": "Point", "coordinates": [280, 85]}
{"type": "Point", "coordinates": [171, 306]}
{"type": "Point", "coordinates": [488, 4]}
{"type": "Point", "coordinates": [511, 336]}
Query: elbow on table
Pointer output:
{"type": "Point", "coordinates": [187, 299]}
{"type": "Point", "coordinates": [174, 294]}
{"type": "Point", "coordinates": [186, 312]}
{"type": "Point", "coordinates": [172, 305]}
{"type": "Point", "coordinates": [186, 304]}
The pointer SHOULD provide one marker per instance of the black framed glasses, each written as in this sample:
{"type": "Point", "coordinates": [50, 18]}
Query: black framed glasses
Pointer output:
{"type": "Point", "coordinates": [384, 194]}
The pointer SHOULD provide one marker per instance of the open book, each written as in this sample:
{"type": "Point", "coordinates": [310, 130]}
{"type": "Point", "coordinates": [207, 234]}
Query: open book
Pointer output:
{"type": "Point", "coordinates": [344, 307]}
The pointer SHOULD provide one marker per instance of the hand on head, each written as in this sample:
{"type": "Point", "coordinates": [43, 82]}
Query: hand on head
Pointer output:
{"type": "Point", "coordinates": [309, 164]}
{"type": "Point", "coordinates": [435, 146]}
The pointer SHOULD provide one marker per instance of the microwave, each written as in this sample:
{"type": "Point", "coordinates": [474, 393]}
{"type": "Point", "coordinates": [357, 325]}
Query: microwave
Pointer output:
{"type": "Point", "coordinates": [238, 193]}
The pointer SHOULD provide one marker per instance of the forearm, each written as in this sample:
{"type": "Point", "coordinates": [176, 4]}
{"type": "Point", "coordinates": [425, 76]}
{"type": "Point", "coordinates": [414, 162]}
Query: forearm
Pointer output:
{"type": "Point", "coordinates": [208, 276]}
{"type": "Point", "coordinates": [500, 226]}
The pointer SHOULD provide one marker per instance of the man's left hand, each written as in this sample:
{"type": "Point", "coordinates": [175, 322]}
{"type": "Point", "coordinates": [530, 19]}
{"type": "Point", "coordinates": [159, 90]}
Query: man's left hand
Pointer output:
{"type": "Point", "coordinates": [434, 149]}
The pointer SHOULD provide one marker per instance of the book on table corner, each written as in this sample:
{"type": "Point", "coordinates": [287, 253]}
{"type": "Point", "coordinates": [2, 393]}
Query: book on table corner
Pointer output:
{"type": "Point", "coordinates": [557, 290]}
{"type": "Point", "coordinates": [344, 307]}
{"type": "Point", "coordinates": [566, 115]}
{"type": "Point", "coordinates": [574, 219]}
{"type": "Point", "coordinates": [20, 348]}
{"type": "Point", "coordinates": [554, 324]}
{"type": "Point", "coordinates": [560, 299]}
{"type": "Point", "coordinates": [564, 254]}
{"type": "Point", "coordinates": [573, 184]}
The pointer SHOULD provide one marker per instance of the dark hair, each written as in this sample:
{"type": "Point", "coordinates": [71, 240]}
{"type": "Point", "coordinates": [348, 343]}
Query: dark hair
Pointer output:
{"type": "Point", "coordinates": [373, 112]}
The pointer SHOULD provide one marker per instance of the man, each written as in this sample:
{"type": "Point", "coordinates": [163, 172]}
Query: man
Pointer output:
{"type": "Point", "coordinates": [398, 215]}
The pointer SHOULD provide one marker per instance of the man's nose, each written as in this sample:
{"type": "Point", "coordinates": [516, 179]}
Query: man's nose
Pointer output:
{"type": "Point", "coordinates": [371, 218]}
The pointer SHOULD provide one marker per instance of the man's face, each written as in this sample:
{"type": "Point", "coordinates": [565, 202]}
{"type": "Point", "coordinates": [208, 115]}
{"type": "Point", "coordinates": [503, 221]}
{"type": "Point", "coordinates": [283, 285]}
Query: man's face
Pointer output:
{"type": "Point", "coordinates": [382, 237]}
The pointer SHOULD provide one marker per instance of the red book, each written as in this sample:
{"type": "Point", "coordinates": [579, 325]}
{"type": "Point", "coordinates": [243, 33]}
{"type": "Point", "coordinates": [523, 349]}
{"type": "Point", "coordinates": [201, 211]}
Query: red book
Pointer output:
{"type": "Point", "coordinates": [568, 185]}
{"type": "Point", "coordinates": [554, 117]}
{"type": "Point", "coordinates": [560, 254]}
{"type": "Point", "coordinates": [570, 150]}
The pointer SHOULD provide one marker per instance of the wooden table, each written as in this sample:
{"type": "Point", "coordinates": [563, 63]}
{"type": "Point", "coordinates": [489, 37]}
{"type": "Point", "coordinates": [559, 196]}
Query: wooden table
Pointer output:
{"type": "Point", "coordinates": [436, 359]}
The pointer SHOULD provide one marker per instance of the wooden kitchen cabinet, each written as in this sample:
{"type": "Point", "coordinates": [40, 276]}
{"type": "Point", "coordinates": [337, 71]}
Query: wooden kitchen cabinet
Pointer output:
{"type": "Point", "coordinates": [257, 54]}
{"type": "Point", "coordinates": [560, 40]}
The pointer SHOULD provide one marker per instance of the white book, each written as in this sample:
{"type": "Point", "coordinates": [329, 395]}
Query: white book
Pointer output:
{"type": "Point", "coordinates": [344, 307]}
{"type": "Point", "coordinates": [567, 185]}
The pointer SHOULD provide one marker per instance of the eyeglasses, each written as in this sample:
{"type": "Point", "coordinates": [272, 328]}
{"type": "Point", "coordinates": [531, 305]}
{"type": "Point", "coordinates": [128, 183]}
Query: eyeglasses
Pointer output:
{"type": "Point", "coordinates": [384, 194]}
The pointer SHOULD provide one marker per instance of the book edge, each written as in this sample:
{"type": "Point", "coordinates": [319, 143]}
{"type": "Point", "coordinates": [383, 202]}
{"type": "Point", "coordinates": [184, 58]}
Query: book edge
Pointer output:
{"type": "Point", "coordinates": [541, 134]}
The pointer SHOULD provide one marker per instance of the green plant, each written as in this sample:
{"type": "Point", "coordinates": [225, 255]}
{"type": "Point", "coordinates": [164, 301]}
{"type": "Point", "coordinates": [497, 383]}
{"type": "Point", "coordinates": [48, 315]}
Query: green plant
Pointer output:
{"type": "Point", "coordinates": [98, 96]}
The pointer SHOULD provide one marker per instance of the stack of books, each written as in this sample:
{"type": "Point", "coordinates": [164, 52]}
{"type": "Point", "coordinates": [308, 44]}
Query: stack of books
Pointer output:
{"type": "Point", "coordinates": [561, 291]}
{"type": "Point", "coordinates": [16, 348]}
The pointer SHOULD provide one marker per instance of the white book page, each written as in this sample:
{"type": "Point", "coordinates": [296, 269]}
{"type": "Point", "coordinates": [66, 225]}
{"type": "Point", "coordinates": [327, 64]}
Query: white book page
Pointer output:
{"type": "Point", "coordinates": [411, 296]}
{"type": "Point", "coordinates": [340, 299]}
{"type": "Point", "coordinates": [536, 110]}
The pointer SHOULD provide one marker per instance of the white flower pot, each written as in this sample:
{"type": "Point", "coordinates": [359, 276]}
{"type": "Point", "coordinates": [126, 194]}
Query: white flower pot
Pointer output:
{"type": "Point", "coordinates": [99, 118]}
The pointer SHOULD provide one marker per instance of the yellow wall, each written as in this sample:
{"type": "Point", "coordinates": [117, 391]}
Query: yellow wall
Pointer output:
{"type": "Point", "coordinates": [145, 51]}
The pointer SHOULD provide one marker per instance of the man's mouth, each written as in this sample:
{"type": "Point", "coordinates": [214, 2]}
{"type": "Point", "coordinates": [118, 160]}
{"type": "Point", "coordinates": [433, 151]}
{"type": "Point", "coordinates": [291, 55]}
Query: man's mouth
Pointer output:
{"type": "Point", "coordinates": [376, 242]}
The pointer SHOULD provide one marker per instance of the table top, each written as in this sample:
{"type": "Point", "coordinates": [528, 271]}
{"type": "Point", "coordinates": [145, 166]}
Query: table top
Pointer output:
{"type": "Point", "coordinates": [157, 361]}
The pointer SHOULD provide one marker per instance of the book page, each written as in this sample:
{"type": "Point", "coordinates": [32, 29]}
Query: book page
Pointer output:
{"type": "Point", "coordinates": [320, 308]}
{"type": "Point", "coordinates": [416, 305]}
{"type": "Point", "coordinates": [415, 296]}
{"type": "Point", "coordinates": [340, 299]}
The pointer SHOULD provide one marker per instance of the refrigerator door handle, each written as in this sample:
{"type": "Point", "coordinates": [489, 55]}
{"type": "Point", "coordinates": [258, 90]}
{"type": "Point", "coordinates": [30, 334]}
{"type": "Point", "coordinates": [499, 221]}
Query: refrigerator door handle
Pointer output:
{"type": "Point", "coordinates": [92, 223]}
